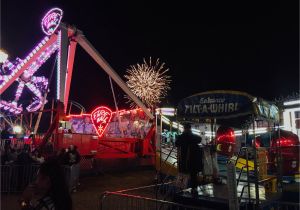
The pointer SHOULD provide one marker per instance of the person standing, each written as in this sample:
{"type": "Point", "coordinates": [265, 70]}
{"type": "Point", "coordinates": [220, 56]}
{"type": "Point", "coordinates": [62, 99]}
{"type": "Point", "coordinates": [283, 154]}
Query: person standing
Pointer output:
{"type": "Point", "coordinates": [189, 155]}
{"type": "Point", "coordinates": [73, 156]}
{"type": "Point", "coordinates": [49, 191]}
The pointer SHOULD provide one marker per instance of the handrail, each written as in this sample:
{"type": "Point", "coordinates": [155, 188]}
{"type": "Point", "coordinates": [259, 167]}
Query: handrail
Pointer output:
{"type": "Point", "coordinates": [143, 187]}
{"type": "Point", "coordinates": [240, 174]}
{"type": "Point", "coordinates": [107, 193]}
{"type": "Point", "coordinates": [168, 156]}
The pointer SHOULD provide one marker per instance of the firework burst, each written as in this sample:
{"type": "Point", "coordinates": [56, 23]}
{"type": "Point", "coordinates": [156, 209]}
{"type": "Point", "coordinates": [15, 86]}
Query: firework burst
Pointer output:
{"type": "Point", "coordinates": [148, 81]}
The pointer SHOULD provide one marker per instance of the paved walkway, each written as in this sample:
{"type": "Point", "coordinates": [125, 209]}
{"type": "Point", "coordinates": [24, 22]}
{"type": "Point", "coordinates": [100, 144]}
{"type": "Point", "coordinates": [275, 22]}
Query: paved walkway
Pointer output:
{"type": "Point", "coordinates": [91, 188]}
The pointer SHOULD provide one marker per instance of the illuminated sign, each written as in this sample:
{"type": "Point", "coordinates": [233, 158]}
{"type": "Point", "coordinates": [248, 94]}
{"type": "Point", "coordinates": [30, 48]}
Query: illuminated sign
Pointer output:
{"type": "Point", "coordinates": [101, 116]}
{"type": "Point", "coordinates": [51, 20]}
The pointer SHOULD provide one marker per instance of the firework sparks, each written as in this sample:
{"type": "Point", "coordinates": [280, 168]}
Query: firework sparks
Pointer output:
{"type": "Point", "coordinates": [148, 81]}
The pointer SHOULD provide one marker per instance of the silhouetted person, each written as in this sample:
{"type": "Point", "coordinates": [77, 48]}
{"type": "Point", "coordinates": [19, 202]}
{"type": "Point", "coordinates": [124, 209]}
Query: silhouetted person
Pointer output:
{"type": "Point", "coordinates": [50, 189]}
{"type": "Point", "coordinates": [189, 155]}
{"type": "Point", "coordinates": [8, 156]}
{"type": "Point", "coordinates": [24, 157]}
{"type": "Point", "coordinates": [62, 157]}
{"type": "Point", "coordinates": [5, 133]}
{"type": "Point", "coordinates": [73, 155]}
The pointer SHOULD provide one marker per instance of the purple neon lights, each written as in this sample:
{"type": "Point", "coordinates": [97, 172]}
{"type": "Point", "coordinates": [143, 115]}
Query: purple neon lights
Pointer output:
{"type": "Point", "coordinates": [14, 68]}
{"type": "Point", "coordinates": [34, 83]}
{"type": "Point", "coordinates": [58, 67]}
{"type": "Point", "coordinates": [51, 20]}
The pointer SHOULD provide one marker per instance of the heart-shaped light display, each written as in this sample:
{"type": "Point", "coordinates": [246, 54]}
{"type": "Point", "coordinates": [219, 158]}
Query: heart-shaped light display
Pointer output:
{"type": "Point", "coordinates": [101, 116]}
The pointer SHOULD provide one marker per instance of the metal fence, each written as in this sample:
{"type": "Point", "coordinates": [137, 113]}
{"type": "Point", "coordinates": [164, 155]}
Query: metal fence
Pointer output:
{"type": "Point", "coordinates": [271, 205]}
{"type": "Point", "coordinates": [117, 200]}
{"type": "Point", "coordinates": [14, 178]}
{"type": "Point", "coordinates": [285, 206]}
{"type": "Point", "coordinates": [72, 176]}
{"type": "Point", "coordinates": [121, 201]}
{"type": "Point", "coordinates": [18, 143]}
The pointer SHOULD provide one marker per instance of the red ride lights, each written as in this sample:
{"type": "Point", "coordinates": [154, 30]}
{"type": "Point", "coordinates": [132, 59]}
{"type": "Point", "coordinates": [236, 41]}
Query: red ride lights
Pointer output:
{"type": "Point", "coordinates": [288, 145]}
{"type": "Point", "coordinates": [225, 141]}
{"type": "Point", "coordinates": [101, 116]}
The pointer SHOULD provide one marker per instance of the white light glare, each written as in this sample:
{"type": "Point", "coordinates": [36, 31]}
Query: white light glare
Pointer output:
{"type": "Point", "coordinates": [3, 56]}
{"type": "Point", "coordinates": [292, 103]}
{"type": "Point", "coordinates": [17, 129]}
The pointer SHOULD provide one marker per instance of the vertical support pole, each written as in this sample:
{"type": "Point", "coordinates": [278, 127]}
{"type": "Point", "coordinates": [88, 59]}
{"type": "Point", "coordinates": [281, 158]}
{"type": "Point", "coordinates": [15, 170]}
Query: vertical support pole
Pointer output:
{"type": "Point", "coordinates": [255, 166]}
{"type": "Point", "coordinates": [211, 131]}
{"type": "Point", "coordinates": [21, 120]}
{"type": "Point", "coordinates": [40, 113]}
{"type": "Point", "coordinates": [116, 106]}
{"type": "Point", "coordinates": [70, 63]}
{"type": "Point", "coordinates": [52, 107]}
{"type": "Point", "coordinates": [248, 175]}
{"type": "Point", "coordinates": [62, 63]}
{"type": "Point", "coordinates": [279, 158]}
{"type": "Point", "coordinates": [231, 186]}
{"type": "Point", "coordinates": [171, 133]}
{"type": "Point", "coordinates": [70, 108]}
{"type": "Point", "coordinates": [160, 138]}
{"type": "Point", "coordinates": [30, 121]}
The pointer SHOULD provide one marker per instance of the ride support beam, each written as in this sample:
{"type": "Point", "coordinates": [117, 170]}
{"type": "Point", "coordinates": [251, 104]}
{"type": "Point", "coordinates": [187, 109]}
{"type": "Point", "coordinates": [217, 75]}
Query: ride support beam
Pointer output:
{"type": "Point", "coordinates": [70, 63]}
{"type": "Point", "coordinates": [62, 60]}
{"type": "Point", "coordinates": [28, 62]}
{"type": "Point", "coordinates": [88, 47]}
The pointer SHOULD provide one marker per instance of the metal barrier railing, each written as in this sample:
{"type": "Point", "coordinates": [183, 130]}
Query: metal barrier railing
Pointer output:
{"type": "Point", "coordinates": [272, 205]}
{"type": "Point", "coordinates": [117, 200]}
{"type": "Point", "coordinates": [14, 178]}
{"type": "Point", "coordinates": [72, 176]}
{"type": "Point", "coordinates": [285, 206]}
{"type": "Point", "coordinates": [17, 143]}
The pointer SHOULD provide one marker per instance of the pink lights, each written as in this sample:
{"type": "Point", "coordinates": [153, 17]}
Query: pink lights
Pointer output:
{"type": "Point", "coordinates": [18, 66]}
{"type": "Point", "coordinates": [40, 61]}
{"type": "Point", "coordinates": [101, 116]}
{"type": "Point", "coordinates": [22, 70]}
{"type": "Point", "coordinates": [51, 20]}
{"type": "Point", "coordinates": [36, 58]}
{"type": "Point", "coordinates": [19, 90]}
{"type": "Point", "coordinates": [10, 107]}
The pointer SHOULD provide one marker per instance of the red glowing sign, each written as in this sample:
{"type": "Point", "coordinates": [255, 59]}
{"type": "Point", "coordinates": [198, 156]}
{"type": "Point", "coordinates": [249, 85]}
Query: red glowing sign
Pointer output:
{"type": "Point", "coordinates": [51, 20]}
{"type": "Point", "coordinates": [101, 116]}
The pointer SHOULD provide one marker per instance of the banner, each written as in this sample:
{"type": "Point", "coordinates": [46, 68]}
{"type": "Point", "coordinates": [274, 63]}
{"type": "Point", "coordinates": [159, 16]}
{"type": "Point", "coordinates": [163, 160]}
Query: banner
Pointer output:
{"type": "Point", "coordinates": [134, 124]}
{"type": "Point", "coordinates": [216, 104]}
{"type": "Point", "coordinates": [267, 110]}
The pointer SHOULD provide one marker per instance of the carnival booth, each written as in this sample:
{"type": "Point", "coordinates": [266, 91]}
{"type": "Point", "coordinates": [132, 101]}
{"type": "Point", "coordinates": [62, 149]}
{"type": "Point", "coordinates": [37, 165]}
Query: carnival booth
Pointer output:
{"type": "Point", "coordinates": [108, 134]}
{"type": "Point", "coordinates": [232, 115]}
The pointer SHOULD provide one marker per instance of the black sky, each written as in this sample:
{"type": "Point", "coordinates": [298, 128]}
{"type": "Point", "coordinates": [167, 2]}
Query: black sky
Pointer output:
{"type": "Point", "coordinates": [248, 47]}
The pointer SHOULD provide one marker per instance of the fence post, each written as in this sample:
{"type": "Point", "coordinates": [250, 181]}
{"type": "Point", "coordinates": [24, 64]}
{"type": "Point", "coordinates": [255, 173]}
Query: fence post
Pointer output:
{"type": "Point", "coordinates": [103, 196]}
{"type": "Point", "coordinates": [231, 185]}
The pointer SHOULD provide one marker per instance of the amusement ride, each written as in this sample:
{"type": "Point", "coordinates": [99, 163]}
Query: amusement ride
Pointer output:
{"type": "Point", "coordinates": [138, 132]}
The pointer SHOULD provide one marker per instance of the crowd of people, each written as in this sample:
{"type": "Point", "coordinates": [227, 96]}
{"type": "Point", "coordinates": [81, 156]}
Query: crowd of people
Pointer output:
{"type": "Point", "coordinates": [25, 154]}
{"type": "Point", "coordinates": [69, 156]}
{"type": "Point", "coordinates": [20, 156]}
{"type": "Point", "coordinates": [51, 188]}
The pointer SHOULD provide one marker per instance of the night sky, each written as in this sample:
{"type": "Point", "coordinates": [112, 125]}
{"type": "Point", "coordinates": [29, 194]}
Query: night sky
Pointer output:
{"type": "Point", "coordinates": [247, 47]}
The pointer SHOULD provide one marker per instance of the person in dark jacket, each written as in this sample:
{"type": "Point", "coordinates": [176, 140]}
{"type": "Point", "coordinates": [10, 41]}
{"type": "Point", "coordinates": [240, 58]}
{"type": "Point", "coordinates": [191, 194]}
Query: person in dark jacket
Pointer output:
{"type": "Point", "coordinates": [73, 156]}
{"type": "Point", "coordinates": [24, 158]}
{"type": "Point", "coordinates": [49, 191]}
{"type": "Point", "coordinates": [189, 155]}
{"type": "Point", "coordinates": [62, 157]}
